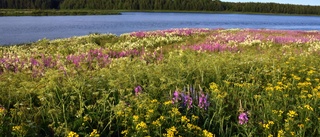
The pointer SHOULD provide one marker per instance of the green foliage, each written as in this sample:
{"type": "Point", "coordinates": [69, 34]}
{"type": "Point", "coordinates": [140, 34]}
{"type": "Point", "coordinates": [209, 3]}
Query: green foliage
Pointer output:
{"type": "Point", "coordinates": [107, 85]}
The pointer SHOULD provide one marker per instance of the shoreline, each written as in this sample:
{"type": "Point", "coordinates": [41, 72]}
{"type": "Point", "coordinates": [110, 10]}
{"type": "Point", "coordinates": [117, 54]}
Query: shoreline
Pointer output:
{"type": "Point", "coordinates": [55, 12]}
{"type": "Point", "coordinates": [32, 12]}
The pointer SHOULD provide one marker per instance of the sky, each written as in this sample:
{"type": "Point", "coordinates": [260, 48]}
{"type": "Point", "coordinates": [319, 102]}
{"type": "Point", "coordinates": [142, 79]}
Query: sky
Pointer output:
{"type": "Point", "coordinates": [300, 2]}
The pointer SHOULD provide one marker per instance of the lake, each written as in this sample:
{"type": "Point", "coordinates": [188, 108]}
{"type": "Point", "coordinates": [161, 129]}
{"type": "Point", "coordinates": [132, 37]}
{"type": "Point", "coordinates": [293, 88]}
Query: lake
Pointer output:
{"type": "Point", "coordinates": [24, 29]}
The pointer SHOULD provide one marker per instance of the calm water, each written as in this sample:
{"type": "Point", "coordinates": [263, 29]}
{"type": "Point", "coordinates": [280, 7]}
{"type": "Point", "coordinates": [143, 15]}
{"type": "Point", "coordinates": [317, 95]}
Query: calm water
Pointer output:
{"type": "Point", "coordinates": [15, 30]}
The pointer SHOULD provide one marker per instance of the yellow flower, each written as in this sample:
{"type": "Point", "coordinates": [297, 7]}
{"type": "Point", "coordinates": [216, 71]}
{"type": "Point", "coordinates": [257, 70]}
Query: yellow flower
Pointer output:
{"type": "Point", "coordinates": [124, 132]}
{"type": "Point", "coordinates": [157, 123]}
{"type": "Point", "coordinates": [213, 86]}
{"type": "Point", "coordinates": [292, 113]}
{"type": "Point", "coordinates": [2, 110]}
{"type": "Point", "coordinates": [270, 135]}
{"type": "Point", "coordinates": [167, 103]}
{"type": "Point", "coordinates": [301, 126]}
{"type": "Point", "coordinates": [257, 96]}
{"type": "Point", "coordinates": [281, 133]}
{"type": "Point", "coordinates": [184, 119]}
{"type": "Point", "coordinates": [308, 107]}
{"type": "Point", "coordinates": [86, 118]}
{"type": "Point", "coordinates": [175, 112]}
{"type": "Point", "coordinates": [72, 134]}
{"type": "Point", "coordinates": [207, 133]}
{"type": "Point", "coordinates": [154, 101]}
{"type": "Point", "coordinates": [135, 118]}
{"type": "Point", "coordinates": [307, 120]}
{"type": "Point", "coordinates": [94, 133]}
{"type": "Point", "coordinates": [171, 132]}
{"type": "Point", "coordinates": [141, 126]}
{"type": "Point", "coordinates": [194, 117]}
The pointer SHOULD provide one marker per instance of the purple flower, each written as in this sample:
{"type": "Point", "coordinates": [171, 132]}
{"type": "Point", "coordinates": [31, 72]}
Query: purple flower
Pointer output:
{"type": "Point", "coordinates": [243, 118]}
{"type": "Point", "coordinates": [137, 90]}
{"type": "Point", "coordinates": [176, 97]}
{"type": "Point", "coordinates": [187, 100]}
{"type": "Point", "coordinates": [203, 101]}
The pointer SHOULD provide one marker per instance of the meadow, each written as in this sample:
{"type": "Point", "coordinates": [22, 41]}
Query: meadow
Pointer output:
{"type": "Point", "coordinates": [166, 83]}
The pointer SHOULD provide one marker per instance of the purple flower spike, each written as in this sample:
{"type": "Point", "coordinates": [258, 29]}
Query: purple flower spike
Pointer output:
{"type": "Point", "coordinates": [203, 101]}
{"type": "Point", "coordinates": [137, 90]}
{"type": "Point", "coordinates": [243, 118]}
{"type": "Point", "coordinates": [176, 97]}
{"type": "Point", "coordinates": [187, 101]}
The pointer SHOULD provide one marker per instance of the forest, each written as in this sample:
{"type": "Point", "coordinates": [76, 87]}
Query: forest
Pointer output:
{"type": "Point", "coordinates": [173, 5]}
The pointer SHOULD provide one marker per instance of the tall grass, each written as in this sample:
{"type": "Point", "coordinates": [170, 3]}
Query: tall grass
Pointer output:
{"type": "Point", "coordinates": [179, 82]}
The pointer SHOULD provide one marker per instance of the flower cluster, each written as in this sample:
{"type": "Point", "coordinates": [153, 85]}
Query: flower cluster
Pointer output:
{"type": "Point", "coordinates": [187, 98]}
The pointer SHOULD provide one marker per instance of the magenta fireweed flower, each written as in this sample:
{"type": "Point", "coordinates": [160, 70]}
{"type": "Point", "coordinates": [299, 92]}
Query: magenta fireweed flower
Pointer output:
{"type": "Point", "coordinates": [176, 97]}
{"type": "Point", "coordinates": [34, 62]}
{"type": "Point", "coordinates": [243, 118]}
{"type": "Point", "coordinates": [137, 90]}
{"type": "Point", "coordinates": [203, 101]}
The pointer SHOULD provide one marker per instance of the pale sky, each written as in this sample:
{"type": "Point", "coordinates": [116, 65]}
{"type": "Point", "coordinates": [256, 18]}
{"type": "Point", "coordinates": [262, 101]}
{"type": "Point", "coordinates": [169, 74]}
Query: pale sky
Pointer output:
{"type": "Point", "coordinates": [301, 2]}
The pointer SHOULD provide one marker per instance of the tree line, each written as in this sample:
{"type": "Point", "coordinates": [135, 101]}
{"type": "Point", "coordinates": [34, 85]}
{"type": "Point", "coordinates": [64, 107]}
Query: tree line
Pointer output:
{"type": "Point", "coordinates": [187, 5]}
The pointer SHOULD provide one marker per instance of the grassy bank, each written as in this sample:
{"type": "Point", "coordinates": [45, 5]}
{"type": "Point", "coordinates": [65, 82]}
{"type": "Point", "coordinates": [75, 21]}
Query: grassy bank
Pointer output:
{"type": "Point", "coordinates": [187, 82]}
{"type": "Point", "coordinates": [26, 12]}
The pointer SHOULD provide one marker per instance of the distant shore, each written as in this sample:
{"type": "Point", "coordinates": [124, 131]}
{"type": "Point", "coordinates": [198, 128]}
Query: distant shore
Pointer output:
{"type": "Point", "coordinates": [32, 12]}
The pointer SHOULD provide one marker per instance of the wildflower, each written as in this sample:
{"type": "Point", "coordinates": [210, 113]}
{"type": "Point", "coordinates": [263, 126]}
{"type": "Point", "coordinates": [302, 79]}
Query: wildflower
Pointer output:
{"type": "Point", "coordinates": [72, 134]}
{"type": "Point", "coordinates": [156, 123]}
{"type": "Point", "coordinates": [154, 101]}
{"type": "Point", "coordinates": [203, 103]}
{"type": "Point", "coordinates": [194, 117]}
{"type": "Point", "coordinates": [292, 113]}
{"type": "Point", "coordinates": [94, 133]}
{"type": "Point", "coordinates": [141, 126]}
{"type": "Point", "coordinates": [184, 119]}
{"type": "Point", "coordinates": [124, 132]}
{"type": "Point", "coordinates": [137, 90]}
{"type": "Point", "coordinates": [307, 120]}
{"type": "Point", "coordinates": [207, 133]}
{"type": "Point", "coordinates": [135, 118]}
{"type": "Point", "coordinates": [187, 101]}
{"type": "Point", "coordinates": [281, 133]}
{"type": "Point", "coordinates": [308, 107]}
{"type": "Point", "coordinates": [175, 112]}
{"type": "Point", "coordinates": [171, 132]}
{"type": "Point", "coordinates": [167, 103]}
{"type": "Point", "coordinates": [2, 110]}
{"type": "Point", "coordinates": [301, 126]}
{"type": "Point", "coordinates": [176, 97]}
{"type": "Point", "coordinates": [243, 118]}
